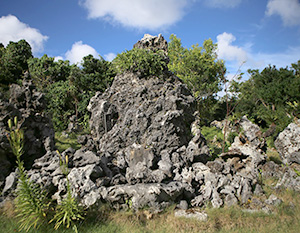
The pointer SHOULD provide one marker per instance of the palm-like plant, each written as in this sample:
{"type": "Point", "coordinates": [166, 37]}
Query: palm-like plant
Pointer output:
{"type": "Point", "coordinates": [31, 202]}
{"type": "Point", "coordinates": [69, 209]}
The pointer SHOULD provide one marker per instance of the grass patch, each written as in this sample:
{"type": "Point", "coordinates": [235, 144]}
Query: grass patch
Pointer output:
{"type": "Point", "coordinates": [285, 218]}
{"type": "Point", "coordinates": [62, 142]}
{"type": "Point", "coordinates": [273, 155]}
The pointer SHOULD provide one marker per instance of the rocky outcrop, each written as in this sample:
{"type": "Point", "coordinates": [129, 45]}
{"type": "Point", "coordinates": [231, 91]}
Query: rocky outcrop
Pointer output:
{"type": "Point", "coordinates": [145, 150]}
{"type": "Point", "coordinates": [28, 105]}
{"type": "Point", "coordinates": [142, 115]}
{"type": "Point", "coordinates": [288, 143]}
{"type": "Point", "coordinates": [153, 43]}
{"type": "Point", "coordinates": [249, 143]}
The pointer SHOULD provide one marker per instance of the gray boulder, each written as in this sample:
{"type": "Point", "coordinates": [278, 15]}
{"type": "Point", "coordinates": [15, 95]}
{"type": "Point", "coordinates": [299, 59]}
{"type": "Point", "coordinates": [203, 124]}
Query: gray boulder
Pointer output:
{"type": "Point", "coordinates": [288, 143]}
{"type": "Point", "coordinates": [249, 144]}
{"type": "Point", "coordinates": [194, 214]}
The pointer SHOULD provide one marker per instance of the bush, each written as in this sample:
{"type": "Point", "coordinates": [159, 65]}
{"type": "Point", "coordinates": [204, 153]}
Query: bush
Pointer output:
{"type": "Point", "coordinates": [215, 139]}
{"type": "Point", "coordinates": [141, 61]}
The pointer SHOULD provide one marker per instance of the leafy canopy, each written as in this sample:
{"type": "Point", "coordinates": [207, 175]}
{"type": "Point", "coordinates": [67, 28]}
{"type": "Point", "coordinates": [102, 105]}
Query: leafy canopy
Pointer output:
{"type": "Point", "coordinates": [198, 66]}
{"type": "Point", "coordinates": [202, 72]}
{"type": "Point", "coordinates": [72, 93]}
{"type": "Point", "coordinates": [271, 96]}
{"type": "Point", "coordinates": [13, 61]}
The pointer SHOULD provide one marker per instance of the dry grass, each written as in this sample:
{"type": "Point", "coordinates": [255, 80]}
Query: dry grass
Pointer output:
{"type": "Point", "coordinates": [273, 155]}
{"type": "Point", "coordinates": [284, 218]}
{"type": "Point", "coordinates": [8, 209]}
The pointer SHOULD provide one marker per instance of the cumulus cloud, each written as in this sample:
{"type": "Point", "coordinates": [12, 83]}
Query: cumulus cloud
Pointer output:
{"type": "Point", "coordinates": [235, 56]}
{"type": "Point", "coordinates": [150, 14]}
{"type": "Point", "coordinates": [229, 52]}
{"type": "Point", "coordinates": [11, 29]}
{"type": "Point", "coordinates": [57, 58]}
{"type": "Point", "coordinates": [78, 51]}
{"type": "Point", "coordinates": [222, 3]}
{"type": "Point", "coordinates": [109, 56]}
{"type": "Point", "coordinates": [288, 10]}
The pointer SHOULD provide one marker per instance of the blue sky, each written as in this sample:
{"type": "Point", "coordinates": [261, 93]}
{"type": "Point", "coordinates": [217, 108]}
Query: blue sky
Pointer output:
{"type": "Point", "coordinates": [253, 32]}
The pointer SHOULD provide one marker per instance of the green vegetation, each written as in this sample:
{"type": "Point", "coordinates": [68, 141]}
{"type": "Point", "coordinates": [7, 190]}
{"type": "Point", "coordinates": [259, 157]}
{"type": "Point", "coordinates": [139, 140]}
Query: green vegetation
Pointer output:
{"type": "Point", "coordinates": [202, 72]}
{"type": "Point", "coordinates": [270, 96]}
{"type": "Point", "coordinates": [71, 94]}
{"type": "Point", "coordinates": [31, 201]}
{"type": "Point", "coordinates": [31, 204]}
{"type": "Point", "coordinates": [13, 62]}
{"type": "Point", "coordinates": [62, 142]}
{"type": "Point", "coordinates": [198, 66]}
{"type": "Point", "coordinates": [267, 97]}
{"type": "Point", "coordinates": [215, 140]}
{"type": "Point", "coordinates": [69, 210]}
{"type": "Point", "coordinates": [141, 61]}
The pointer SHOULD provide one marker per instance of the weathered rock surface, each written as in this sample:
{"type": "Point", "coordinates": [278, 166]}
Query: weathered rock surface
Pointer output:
{"type": "Point", "coordinates": [145, 151]}
{"type": "Point", "coordinates": [195, 214]}
{"type": "Point", "coordinates": [288, 143]}
{"type": "Point", "coordinates": [249, 144]}
{"type": "Point", "coordinates": [28, 105]}
{"type": "Point", "coordinates": [154, 43]}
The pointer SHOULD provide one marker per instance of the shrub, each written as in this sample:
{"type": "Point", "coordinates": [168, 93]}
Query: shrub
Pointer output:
{"type": "Point", "coordinates": [215, 139]}
{"type": "Point", "coordinates": [68, 210]}
{"type": "Point", "coordinates": [141, 61]}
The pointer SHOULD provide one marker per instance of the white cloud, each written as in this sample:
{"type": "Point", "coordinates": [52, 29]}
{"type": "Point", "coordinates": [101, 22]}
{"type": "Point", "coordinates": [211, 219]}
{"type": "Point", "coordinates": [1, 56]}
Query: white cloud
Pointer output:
{"type": "Point", "coordinates": [229, 52]}
{"type": "Point", "coordinates": [78, 51]}
{"type": "Point", "coordinates": [57, 58]}
{"type": "Point", "coordinates": [222, 3]}
{"type": "Point", "coordinates": [109, 56]}
{"type": "Point", "coordinates": [150, 14]}
{"type": "Point", "coordinates": [11, 29]}
{"type": "Point", "coordinates": [234, 56]}
{"type": "Point", "coordinates": [279, 59]}
{"type": "Point", "coordinates": [288, 10]}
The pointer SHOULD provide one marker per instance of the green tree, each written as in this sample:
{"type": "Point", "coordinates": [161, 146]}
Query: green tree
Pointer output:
{"type": "Point", "coordinates": [71, 95]}
{"type": "Point", "coordinates": [59, 101]}
{"type": "Point", "coordinates": [13, 61]}
{"type": "Point", "coordinates": [98, 74]}
{"type": "Point", "coordinates": [198, 66]}
{"type": "Point", "coordinates": [200, 69]}
{"type": "Point", "coordinates": [265, 97]}
{"type": "Point", "coordinates": [44, 71]}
